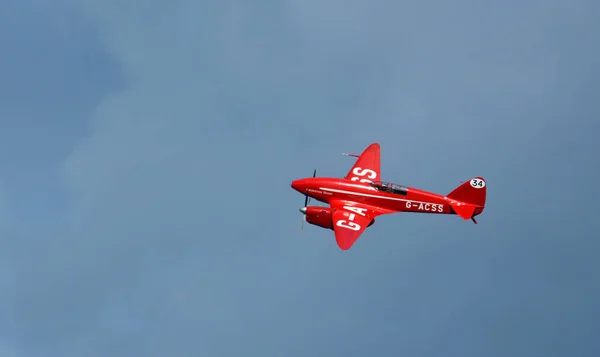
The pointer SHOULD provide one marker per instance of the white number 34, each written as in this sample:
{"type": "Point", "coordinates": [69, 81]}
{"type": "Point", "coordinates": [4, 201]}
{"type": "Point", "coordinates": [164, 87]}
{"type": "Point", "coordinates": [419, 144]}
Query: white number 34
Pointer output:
{"type": "Point", "coordinates": [477, 183]}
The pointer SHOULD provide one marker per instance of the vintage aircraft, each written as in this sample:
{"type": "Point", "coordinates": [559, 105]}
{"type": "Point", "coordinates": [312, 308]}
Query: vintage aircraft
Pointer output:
{"type": "Point", "coordinates": [361, 196]}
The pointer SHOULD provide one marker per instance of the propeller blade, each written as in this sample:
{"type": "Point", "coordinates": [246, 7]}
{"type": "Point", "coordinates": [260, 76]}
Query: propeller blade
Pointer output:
{"type": "Point", "coordinates": [306, 202]}
{"type": "Point", "coordinates": [303, 210]}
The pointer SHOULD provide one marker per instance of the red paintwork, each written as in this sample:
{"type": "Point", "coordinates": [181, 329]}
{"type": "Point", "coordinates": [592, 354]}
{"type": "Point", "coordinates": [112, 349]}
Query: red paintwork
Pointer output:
{"type": "Point", "coordinates": [348, 196]}
{"type": "Point", "coordinates": [321, 216]}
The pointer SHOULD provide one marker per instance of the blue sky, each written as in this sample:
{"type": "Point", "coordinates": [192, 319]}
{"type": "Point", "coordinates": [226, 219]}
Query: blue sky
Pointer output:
{"type": "Point", "coordinates": [147, 150]}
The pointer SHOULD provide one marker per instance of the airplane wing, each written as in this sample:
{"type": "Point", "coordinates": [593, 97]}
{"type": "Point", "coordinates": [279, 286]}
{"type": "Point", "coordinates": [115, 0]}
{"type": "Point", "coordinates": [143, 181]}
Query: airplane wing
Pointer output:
{"type": "Point", "coordinates": [350, 219]}
{"type": "Point", "coordinates": [366, 168]}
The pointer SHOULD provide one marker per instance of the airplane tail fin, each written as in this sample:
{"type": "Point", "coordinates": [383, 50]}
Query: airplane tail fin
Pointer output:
{"type": "Point", "coordinates": [471, 195]}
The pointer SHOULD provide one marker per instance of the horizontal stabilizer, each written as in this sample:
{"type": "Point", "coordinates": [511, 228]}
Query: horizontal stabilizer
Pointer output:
{"type": "Point", "coordinates": [463, 210]}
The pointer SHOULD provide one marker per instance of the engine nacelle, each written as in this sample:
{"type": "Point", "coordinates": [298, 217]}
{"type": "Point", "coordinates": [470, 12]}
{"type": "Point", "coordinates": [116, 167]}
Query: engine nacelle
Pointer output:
{"type": "Point", "coordinates": [321, 216]}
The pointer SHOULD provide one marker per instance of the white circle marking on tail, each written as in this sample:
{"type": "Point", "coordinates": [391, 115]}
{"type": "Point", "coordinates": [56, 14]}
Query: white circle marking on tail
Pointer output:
{"type": "Point", "coordinates": [477, 183]}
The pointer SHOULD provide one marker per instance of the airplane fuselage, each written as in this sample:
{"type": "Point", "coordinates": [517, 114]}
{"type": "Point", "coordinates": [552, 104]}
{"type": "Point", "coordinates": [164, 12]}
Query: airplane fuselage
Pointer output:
{"type": "Point", "coordinates": [326, 189]}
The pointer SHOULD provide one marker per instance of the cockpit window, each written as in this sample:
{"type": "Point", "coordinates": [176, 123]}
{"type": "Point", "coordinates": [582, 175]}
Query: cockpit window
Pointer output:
{"type": "Point", "coordinates": [390, 187]}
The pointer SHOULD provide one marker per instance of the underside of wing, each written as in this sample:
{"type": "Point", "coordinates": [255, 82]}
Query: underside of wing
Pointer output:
{"type": "Point", "coordinates": [367, 166]}
{"type": "Point", "coordinates": [350, 220]}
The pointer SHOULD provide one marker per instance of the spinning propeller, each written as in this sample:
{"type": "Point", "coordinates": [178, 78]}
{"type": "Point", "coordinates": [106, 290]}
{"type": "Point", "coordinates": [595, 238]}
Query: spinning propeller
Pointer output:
{"type": "Point", "coordinates": [306, 201]}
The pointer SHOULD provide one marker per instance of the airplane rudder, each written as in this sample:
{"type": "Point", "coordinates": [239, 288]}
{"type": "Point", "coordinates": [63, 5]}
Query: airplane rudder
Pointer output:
{"type": "Point", "coordinates": [473, 191]}
{"type": "Point", "coordinates": [481, 191]}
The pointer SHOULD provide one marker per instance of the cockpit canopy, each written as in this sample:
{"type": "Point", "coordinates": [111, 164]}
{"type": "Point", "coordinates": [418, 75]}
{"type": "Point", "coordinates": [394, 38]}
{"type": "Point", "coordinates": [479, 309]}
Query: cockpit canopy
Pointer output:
{"type": "Point", "coordinates": [389, 187]}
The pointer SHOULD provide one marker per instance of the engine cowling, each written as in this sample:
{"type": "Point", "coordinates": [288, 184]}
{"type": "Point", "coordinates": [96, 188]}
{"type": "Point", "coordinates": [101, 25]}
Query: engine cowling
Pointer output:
{"type": "Point", "coordinates": [321, 216]}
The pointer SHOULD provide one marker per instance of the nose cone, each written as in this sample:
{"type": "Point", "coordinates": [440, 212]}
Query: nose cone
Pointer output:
{"type": "Point", "coordinates": [299, 185]}
{"type": "Point", "coordinates": [303, 210]}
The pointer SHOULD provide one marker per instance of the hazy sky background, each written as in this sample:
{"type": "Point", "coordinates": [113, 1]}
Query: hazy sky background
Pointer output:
{"type": "Point", "coordinates": [147, 148]}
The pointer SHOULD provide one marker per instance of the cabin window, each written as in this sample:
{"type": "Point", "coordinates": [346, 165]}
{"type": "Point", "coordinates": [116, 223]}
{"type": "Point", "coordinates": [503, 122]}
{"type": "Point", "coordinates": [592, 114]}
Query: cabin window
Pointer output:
{"type": "Point", "coordinates": [390, 187]}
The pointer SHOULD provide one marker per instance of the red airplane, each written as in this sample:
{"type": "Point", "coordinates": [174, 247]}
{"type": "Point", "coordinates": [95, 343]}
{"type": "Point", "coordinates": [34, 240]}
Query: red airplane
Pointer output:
{"type": "Point", "coordinates": [359, 197]}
